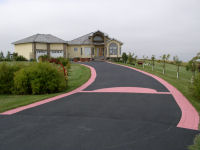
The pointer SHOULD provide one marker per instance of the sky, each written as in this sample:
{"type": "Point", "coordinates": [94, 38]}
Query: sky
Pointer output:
{"type": "Point", "coordinates": [146, 27]}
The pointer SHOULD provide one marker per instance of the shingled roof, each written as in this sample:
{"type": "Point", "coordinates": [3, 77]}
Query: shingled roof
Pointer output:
{"type": "Point", "coordinates": [85, 39]}
{"type": "Point", "coordinates": [82, 40]}
{"type": "Point", "coordinates": [40, 38]}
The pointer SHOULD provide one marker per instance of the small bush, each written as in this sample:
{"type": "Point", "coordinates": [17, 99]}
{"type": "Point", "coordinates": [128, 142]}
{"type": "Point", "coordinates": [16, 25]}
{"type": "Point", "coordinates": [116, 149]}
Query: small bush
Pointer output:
{"type": "Point", "coordinates": [130, 59]}
{"type": "Point", "coordinates": [64, 61]}
{"type": "Point", "coordinates": [196, 86]}
{"type": "Point", "coordinates": [43, 58]}
{"type": "Point", "coordinates": [32, 60]}
{"type": "Point", "coordinates": [7, 77]}
{"type": "Point", "coordinates": [124, 57]}
{"type": "Point", "coordinates": [115, 59]}
{"type": "Point", "coordinates": [39, 78]}
{"type": "Point", "coordinates": [20, 58]}
{"type": "Point", "coordinates": [196, 145]}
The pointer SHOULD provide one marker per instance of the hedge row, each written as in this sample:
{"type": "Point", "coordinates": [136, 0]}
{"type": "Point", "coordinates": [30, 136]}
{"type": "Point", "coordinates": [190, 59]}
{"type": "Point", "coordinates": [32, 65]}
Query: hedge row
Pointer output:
{"type": "Point", "coordinates": [35, 78]}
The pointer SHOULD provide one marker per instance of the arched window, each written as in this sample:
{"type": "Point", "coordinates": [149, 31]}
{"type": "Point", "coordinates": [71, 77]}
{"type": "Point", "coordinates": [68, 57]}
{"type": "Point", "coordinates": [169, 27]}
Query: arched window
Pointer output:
{"type": "Point", "coordinates": [98, 38]}
{"type": "Point", "coordinates": [113, 48]}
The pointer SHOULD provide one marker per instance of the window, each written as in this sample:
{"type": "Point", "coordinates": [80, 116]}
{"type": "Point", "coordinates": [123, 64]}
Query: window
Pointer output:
{"type": "Point", "coordinates": [113, 49]}
{"type": "Point", "coordinates": [98, 38]}
{"type": "Point", "coordinates": [87, 51]}
{"type": "Point", "coordinates": [75, 49]}
{"type": "Point", "coordinates": [81, 51]}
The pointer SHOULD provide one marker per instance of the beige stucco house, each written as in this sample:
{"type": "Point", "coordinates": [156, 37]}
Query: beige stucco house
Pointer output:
{"type": "Point", "coordinates": [93, 45]}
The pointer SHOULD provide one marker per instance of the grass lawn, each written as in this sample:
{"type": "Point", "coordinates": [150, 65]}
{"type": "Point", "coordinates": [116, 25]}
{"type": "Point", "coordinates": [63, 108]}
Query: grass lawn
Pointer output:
{"type": "Point", "coordinates": [196, 145]}
{"type": "Point", "coordinates": [182, 84]}
{"type": "Point", "coordinates": [78, 75]}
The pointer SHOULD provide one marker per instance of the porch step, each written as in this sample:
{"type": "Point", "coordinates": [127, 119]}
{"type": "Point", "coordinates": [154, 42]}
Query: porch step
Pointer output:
{"type": "Point", "coordinates": [99, 58]}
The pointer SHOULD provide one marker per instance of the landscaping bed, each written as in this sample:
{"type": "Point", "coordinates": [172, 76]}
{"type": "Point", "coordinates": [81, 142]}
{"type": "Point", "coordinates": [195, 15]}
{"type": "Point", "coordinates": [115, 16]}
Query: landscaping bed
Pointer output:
{"type": "Point", "coordinates": [77, 75]}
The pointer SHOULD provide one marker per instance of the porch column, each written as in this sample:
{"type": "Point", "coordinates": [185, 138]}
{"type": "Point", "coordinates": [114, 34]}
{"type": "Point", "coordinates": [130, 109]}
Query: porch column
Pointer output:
{"type": "Point", "coordinates": [48, 50]}
{"type": "Point", "coordinates": [104, 40]}
{"type": "Point", "coordinates": [34, 50]}
{"type": "Point", "coordinates": [64, 50]}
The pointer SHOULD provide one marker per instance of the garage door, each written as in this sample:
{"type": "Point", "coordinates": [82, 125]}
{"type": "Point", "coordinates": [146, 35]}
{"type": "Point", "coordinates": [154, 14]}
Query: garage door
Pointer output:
{"type": "Point", "coordinates": [56, 53]}
{"type": "Point", "coordinates": [40, 53]}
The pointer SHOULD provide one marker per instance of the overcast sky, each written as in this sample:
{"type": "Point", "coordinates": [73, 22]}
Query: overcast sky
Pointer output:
{"type": "Point", "coordinates": [145, 27]}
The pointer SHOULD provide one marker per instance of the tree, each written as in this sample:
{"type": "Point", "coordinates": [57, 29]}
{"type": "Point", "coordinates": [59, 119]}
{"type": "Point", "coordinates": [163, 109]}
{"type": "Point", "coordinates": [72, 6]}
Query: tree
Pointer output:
{"type": "Point", "coordinates": [8, 56]}
{"type": "Point", "coordinates": [153, 61]}
{"type": "Point", "coordinates": [144, 59]}
{"type": "Point", "coordinates": [177, 63]}
{"type": "Point", "coordinates": [165, 58]}
{"type": "Point", "coordinates": [124, 57]}
{"type": "Point", "coordinates": [130, 58]}
{"type": "Point", "coordinates": [135, 59]}
{"type": "Point", "coordinates": [1, 56]}
{"type": "Point", "coordinates": [192, 65]}
{"type": "Point", "coordinates": [15, 55]}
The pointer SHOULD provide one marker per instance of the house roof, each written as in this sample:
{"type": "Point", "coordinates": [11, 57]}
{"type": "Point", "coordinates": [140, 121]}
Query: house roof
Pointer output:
{"type": "Point", "coordinates": [40, 38]}
{"type": "Point", "coordinates": [85, 39]}
{"type": "Point", "coordinates": [82, 40]}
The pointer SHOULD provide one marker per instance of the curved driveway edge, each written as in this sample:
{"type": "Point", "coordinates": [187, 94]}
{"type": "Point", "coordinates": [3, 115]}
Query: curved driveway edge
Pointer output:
{"type": "Point", "coordinates": [85, 85]}
{"type": "Point", "coordinates": [190, 117]}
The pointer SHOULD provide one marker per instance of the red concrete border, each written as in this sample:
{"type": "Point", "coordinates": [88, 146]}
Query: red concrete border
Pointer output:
{"type": "Point", "coordinates": [126, 90]}
{"type": "Point", "coordinates": [190, 117]}
{"type": "Point", "coordinates": [90, 81]}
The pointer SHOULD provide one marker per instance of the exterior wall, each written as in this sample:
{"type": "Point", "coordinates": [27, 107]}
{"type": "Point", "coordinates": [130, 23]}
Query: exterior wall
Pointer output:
{"type": "Point", "coordinates": [72, 54]}
{"type": "Point", "coordinates": [56, 46]}
{"type": "Point", "coordinates": [25, 50]}
{"type": "Point", "coordinates": [119, 47]}
{"type": "Point", "coordinates": [83, 49]}
{"type": "Point", "coordinates": [41, 46]}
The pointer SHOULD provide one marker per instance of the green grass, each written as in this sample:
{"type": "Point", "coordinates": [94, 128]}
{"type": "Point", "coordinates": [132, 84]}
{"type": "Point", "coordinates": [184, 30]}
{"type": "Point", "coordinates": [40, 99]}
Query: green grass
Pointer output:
{"type": "Point", "coordinates": [182, 84]}
{"type": "Point", "coordinates": [196, 145]}
{"type": "Point", "coordinates": [78, 75]}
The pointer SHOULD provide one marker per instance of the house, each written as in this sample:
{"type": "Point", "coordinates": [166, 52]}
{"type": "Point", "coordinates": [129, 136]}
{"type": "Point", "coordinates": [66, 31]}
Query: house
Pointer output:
{"type": "Point", "coordinates": [93, 45]}
{"type": "Point", "coordinates": [40, 44]}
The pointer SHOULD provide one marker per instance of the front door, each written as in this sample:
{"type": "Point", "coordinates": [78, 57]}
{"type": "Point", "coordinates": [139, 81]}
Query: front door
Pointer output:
{"type": "Point", "coordinates": [101, 52]}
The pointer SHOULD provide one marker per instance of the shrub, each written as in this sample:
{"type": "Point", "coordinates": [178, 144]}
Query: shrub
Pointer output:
{"type": "Point", "coordinates": [115, 59]}
{"type": "Point", "coordinates": [196, 86]}
{"type": "Point", "coordinates": [22, 83]}
{"type": "Point", "coordinates": [130, 58]}
{"type": "Point", "coordinates": [64, 61]}
{"type": "Point", "coordinates": [196, 145]}
{"type": "Point", "coordinates": [20, 58]}
{"type": "Point", "coordinates": [43, 58]}
{"type": "Point", "coordinates": [39, 78]}
{"type": "Point", "coordinates": [124, 57]}
{"type": "Point", "coordinates": [32, 60]}
{"type": "Point", "coordinates": [7, 77]}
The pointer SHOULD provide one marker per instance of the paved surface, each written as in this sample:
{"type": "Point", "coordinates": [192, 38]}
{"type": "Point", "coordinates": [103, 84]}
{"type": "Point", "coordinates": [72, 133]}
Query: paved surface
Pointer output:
{"type": "Point", "coordinates": [101, 121]}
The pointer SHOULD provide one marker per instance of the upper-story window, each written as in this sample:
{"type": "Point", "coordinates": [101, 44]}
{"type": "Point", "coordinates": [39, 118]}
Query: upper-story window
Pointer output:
{"type": "Point", "coordinates": [75, 49]}
{"type": "Point", "coordinates": [98, 38]}
{"type": "Point", "coordinates": [113, 49]}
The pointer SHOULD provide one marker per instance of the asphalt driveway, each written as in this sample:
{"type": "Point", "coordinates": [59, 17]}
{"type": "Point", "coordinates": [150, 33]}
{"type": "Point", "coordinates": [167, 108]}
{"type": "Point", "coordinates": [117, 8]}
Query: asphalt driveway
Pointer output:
{"type": "Point", "coordinates": [101, 121]}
